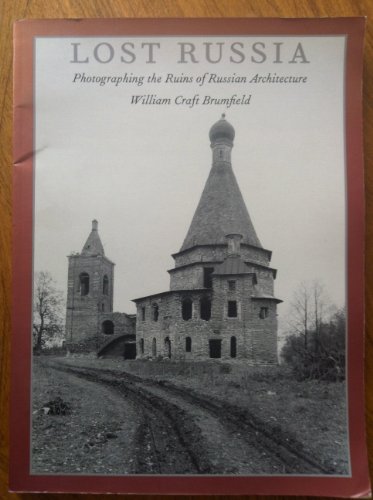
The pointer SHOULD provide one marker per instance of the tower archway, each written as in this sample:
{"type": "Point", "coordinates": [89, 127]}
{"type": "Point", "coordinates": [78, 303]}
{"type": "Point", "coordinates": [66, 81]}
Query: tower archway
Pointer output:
{"type": "Point", "coordinates": [84, 284]}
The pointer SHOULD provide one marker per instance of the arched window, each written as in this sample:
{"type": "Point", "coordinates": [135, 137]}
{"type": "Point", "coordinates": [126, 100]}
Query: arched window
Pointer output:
{"type": "Point", "coordinates": [205, 307]}
{"type": "Point", "coordinates": [167, 347]}
{"type": "Point", "coordinates": [105, 285]}
{"type": "Point", "coordinates": [83, 283]}
{"type": "Point", "coordinates": [186, 309]}
{"type": "Point", "coordinates": [154, 348]}
{"type": "Point", "coordinates": [107, 327]}
{"type": "Point", "coordinates": [142, 346]}
{"type": "Point", "coordinates": [233, 347]}
{"type": "Point", "coordinates": [188, 344]}
{"type": "Point", "coordinates": [155, 312]}
{"type": "Point", "coordinates": [263, 313]}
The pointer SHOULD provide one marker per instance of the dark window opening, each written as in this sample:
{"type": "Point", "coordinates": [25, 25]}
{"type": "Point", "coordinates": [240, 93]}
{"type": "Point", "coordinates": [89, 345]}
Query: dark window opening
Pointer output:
{"type": "Point", "coordinates": [129, 350]}
{"type": "Point", "coordinates": [188, 344]}
{"type": "Point", "coordinates": [167, 347]}
{"type": "Point", "coordinates": [108, 327]}
{"type": "Point", "coordinates": [154, 348]}
{"type": "Point", "coordinates": [186, 309]}
{"type": "Point", "coordinates": [205, 306]}
{"type": "Point", "coordinates": [221, 153]}
{"type": "Point", "coordinates": [233, 347]}
{"type": "Point", "coordinates": [84, 284]}
{"type": "Point", "coordinates": [215, 348]}
{"type": "Point", "coordinates": [155, 312]}
{"type": "Point", "coordinates": [263, 312]}
{"type": "Point", "coordinates": [143, 313]}
{"type": "Point", "coordinates": [142, 346]}
{"type": "Point", "coordinates": [231, 285]}
{"type": "Point", "coordinates": [207, 277]}
{"type": "Point", "coordinates": [103, 307]}
{"type": "Point", "coordinates": [105, 285]}
{"type": "Point", "coordinates": [232, 309]}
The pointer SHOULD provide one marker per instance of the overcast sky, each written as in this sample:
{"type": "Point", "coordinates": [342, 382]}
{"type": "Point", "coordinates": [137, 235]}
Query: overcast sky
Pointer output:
{"type": "Point", "coordinates": [140, 169]}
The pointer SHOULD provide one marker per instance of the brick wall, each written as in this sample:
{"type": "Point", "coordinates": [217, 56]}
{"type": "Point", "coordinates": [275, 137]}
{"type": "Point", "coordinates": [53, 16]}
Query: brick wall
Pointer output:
{"type": "Point", "coordinates": [219, 253]}
{"type": "Point", "coordinates": [190, 277]}
{"type": "Point", "coordinates": [255, 337]}
{"type": "Point", "coordinates": [187, 278]}
{"type": "Point", "coordinates": [264, 332]}
{"type": "Point", "coordinates": [122, 325]}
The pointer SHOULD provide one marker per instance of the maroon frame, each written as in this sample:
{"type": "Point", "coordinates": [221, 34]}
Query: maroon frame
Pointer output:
{"type": "Point", "coordinates": [20, 477]}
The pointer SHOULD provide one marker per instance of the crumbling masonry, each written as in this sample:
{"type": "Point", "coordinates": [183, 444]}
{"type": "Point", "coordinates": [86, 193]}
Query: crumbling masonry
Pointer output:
{"type": "Point", "coordinates": [221, 301]}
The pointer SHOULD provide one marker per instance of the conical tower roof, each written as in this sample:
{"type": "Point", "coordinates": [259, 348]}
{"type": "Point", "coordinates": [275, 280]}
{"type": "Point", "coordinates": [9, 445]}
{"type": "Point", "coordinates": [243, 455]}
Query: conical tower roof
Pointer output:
{"type": "Point", "coordinates": [221, 209]}
{"type": "Point", "coordinates": [93, 245]}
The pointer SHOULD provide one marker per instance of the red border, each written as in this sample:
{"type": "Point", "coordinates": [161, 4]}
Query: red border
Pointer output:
{"type": "Point", "coordinates": [20, 479]}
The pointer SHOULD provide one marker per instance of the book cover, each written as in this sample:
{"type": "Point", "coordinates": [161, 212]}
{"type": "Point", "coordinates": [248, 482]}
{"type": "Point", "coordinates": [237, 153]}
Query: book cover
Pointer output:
{"type": "Point", "coordinates": [188, 257]}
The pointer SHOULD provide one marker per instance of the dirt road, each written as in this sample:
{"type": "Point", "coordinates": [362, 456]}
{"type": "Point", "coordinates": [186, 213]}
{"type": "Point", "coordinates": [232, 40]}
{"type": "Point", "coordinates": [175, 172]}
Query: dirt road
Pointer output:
{"type": "Point", "coordinates": [166, 429]}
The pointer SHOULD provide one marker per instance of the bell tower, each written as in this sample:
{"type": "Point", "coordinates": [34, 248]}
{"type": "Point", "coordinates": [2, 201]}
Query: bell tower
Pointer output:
{"type": "Point", "coordinates": [89, 290]}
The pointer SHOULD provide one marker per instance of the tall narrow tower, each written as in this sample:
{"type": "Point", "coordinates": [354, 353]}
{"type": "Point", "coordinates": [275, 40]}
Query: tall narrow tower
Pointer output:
{"type": "Point", "coordinates": [89, 291]}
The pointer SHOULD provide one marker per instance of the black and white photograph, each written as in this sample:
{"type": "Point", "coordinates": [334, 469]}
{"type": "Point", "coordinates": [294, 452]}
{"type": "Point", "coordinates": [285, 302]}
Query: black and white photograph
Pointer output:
{"type": "Point", "coordinates": [189, 256]}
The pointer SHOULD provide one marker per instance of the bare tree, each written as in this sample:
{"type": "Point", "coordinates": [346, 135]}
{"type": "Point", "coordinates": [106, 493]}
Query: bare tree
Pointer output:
{"type": "Point", "coordinates": [315, 347]}
{"type": "Point", "coordinates": [48, 310]}
{"type": "Point", "coordinates": [320, 303]}
{"type": "Point", "coordinates": [308, 308]}
{"type": "Point", "coordinates": [301, 312]}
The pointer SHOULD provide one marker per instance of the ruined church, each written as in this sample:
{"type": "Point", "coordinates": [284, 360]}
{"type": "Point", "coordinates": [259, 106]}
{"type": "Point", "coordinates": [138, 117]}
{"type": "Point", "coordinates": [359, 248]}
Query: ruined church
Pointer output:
{"type": "Point", "coordinates": [221, 301]}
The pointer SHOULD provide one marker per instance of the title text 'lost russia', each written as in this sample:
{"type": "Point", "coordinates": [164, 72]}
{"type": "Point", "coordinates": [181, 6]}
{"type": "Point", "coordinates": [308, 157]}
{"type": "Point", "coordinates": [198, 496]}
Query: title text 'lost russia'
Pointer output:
{"type": "Point", "coordinates": [180, 100]}
{"type": "Point", "coordinates": [291, 52]}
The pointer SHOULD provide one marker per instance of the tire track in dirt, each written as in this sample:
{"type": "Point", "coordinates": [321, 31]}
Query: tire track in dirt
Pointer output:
{"type": "Point", "coordinates": [167, 441]}
{"type": "Point", "coordinates": [274, 450]}
{"type": "Point", "coordinates": [289, 451]}
{"type": "Point", "coordinates": [277, 452]}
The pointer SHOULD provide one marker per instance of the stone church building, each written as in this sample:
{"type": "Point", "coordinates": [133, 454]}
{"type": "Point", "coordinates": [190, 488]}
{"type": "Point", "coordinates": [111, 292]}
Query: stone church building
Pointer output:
{"type": "Point", "coordinates": [221, 301]}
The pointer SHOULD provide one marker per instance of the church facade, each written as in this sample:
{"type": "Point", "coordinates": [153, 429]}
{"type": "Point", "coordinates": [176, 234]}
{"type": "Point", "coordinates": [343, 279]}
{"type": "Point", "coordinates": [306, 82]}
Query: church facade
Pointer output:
{"type": "Point", "coordinates": [221, 301]}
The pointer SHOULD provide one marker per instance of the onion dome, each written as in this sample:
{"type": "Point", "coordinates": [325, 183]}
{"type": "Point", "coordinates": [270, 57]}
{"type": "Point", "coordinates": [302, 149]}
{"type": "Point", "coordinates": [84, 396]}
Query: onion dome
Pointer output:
{"type": "Point", "coordinates": [222, 130]}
